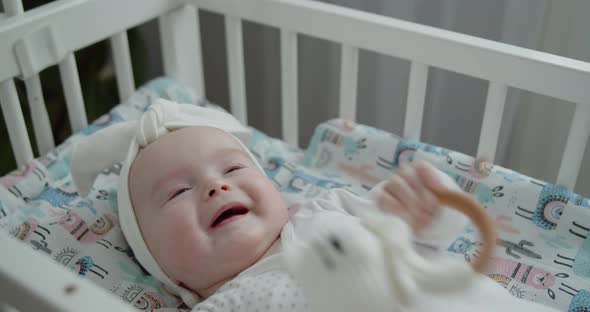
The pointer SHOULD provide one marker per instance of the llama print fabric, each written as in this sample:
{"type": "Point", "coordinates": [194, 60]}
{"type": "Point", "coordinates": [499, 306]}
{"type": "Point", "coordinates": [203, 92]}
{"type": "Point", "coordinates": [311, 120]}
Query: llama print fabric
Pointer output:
{"type": "Point", "coordinates": [542, 250]}
{"type": "Point", "coordinates": [542, 255]}
{"type": "Point", "coordinates": [40, 205]}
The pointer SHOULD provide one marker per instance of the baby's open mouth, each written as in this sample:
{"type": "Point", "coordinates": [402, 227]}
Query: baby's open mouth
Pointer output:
{"type": "Point", "coordinates": [227, 213]}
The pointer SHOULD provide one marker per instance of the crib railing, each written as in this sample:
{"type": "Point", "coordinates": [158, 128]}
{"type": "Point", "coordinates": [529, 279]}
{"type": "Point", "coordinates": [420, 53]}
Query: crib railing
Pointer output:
{"type": "Point", "coordinates": [501, 64]}
{"type": "Point", "coordinates": [34, 40]}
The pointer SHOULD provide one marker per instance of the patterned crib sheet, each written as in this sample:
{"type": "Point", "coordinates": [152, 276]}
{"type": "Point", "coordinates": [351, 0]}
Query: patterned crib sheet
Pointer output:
{"type": "Point", "coordinates": [543, 245]}
{"type": "Point", "coordinates": [543, 250]}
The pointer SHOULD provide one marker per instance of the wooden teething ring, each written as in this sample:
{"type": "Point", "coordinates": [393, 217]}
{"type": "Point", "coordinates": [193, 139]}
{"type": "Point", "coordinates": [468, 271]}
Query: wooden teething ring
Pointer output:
{"type": "Point", "coordinates": [474, 211]}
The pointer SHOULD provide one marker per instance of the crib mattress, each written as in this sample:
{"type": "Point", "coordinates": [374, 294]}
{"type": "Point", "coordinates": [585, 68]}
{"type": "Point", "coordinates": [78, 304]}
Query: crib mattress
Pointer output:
{"type": "Point", "coordinates": [543, 249]}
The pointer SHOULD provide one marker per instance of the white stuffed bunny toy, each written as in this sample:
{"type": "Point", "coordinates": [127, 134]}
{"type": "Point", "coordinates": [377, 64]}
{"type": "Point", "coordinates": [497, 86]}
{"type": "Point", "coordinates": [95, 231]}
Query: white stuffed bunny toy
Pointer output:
{"type": "Point", "coordinates": [345, 265]}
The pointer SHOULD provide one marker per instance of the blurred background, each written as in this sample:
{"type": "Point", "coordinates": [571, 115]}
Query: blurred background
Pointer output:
{"type": "Point", "coordinates": [534, 127]}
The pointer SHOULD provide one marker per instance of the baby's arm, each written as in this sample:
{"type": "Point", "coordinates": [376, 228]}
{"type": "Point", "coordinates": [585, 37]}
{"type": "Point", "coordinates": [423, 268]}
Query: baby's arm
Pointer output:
{"type": "Point", "coordinates": [409, 194]}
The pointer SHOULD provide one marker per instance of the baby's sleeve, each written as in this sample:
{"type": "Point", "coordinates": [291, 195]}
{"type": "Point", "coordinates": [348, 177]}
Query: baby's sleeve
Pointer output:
{"type": "Point", "coordinates": [344, 201]}
{"type": "Point", "coordinates": [447, 226]}
{"type": "Point", "coordinates": [264, 292]}
{"type": "Point", "coordinates": [443, 231]}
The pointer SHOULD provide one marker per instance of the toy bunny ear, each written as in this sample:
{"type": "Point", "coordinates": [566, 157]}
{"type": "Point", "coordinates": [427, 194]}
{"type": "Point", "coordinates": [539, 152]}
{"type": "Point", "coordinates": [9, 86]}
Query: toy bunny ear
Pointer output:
{"type": "Point", "coordinates": [90, 155]}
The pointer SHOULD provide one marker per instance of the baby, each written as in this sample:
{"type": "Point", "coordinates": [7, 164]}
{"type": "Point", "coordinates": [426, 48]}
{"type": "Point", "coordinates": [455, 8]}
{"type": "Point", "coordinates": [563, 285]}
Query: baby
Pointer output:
{"type": "Point", "coordinates": [209, 213]}
{"type": "Point", "coordinates": [201, 215]}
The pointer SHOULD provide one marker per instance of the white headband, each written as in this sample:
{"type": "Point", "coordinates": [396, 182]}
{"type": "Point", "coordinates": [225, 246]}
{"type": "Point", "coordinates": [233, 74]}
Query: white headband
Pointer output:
{"type": "Point", "coordinates": [122, 142]}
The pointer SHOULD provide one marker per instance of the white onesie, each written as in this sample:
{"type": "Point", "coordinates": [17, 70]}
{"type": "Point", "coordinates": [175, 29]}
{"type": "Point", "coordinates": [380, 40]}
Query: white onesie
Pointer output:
{"type": "Point", "coordinates": [268, 286]}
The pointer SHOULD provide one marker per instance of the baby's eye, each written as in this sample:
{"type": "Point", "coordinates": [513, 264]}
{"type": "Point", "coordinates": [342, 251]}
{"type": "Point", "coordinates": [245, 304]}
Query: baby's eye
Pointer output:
{"type": "Point", "coordinates": [233, 168]}
{"type": "Point", "coordinates": [178, 192]}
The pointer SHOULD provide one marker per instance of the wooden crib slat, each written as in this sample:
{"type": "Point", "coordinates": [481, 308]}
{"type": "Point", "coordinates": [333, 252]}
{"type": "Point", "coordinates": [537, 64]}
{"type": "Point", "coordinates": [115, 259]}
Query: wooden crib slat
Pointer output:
{"type": "Point", "coordinates": [492, 120]}
{"type": "Point", "coordinates": [235, 62]}
{"type": "Point", "coordinates": [575, 146]}
{"type": "Point", "coordinates": [73, 92]}
{"type": "Point", "coordinates": [72, 30]}
{"type": "Point", "coordinates": [13, 116]}
{"type": "Point", "coordinates": [11, 109]}
{"type": "Point", "coordinates": [415, 102]}
{"type": "Point", "coordinates": [289, 87]}
{"type": "Point", "coordinates": [180, 38]}
{"type": "Point", "coordinates": [13, 7]}
{"type": "Point", "coordinates": [123, 68]}
{"type": "Point", "coordinates": [349, 61]}
{"type": "Point", "coordinates": [39, 115]}
{"type": "Point", "coordinates": [520, 67]}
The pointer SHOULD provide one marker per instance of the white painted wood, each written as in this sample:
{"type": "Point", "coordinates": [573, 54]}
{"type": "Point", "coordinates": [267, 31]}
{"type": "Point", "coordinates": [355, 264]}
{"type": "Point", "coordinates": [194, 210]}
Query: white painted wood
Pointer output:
{"type": "Point", "coordinates": [15, 122]}
{"type": "Point", "coordinates": [25, 50]}
{"type": "Point", "coordinates": [70, 80]}
{"type": "Point", "coordinates": [575, 146]}
{"type": "Point", "coordinates": [42, 43]}
{"type": "Point", "coordinates": [289, 87]}
{"type": "Point", "coordinates": [235, 64]}
{"type": "Point", "coordinates": [415, 103]}
{"type": "Point", "coordinates": [492, 120]}
{"type": "Point", "coordinates": [60, 289]}
{"type": "Point", "coordinates": [39, 115]}
{"type": "Point", "coordinates": [181, 47]}
{"type": "Point", "coordinates": [122, 62]}
{"type": "Point", "coordinates": [349, 63]}
{"type": "Point", "coordinates": [490, 60]}
{"type": "Point", "coordinates": [13, 7]}
{"type": "Point", "coordinates": [76, 23]}
{"type": "Point", "coordinates": [43, 134]}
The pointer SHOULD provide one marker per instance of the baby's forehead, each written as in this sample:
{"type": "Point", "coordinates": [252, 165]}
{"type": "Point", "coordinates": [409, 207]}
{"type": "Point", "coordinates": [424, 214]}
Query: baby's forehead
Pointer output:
{"type": "Point", "coordinates": [202, 133]}
{"type": "Point", "coordinates": [199, 137]}
{"type": "Point", "coordinates": [187, 147]}
{"type": "Point", "coordinates": [190, 143]}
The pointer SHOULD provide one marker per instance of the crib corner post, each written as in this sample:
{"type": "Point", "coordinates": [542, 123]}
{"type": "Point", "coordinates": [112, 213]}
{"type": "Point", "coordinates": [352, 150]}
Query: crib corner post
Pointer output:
{"type": "Point", "coordinates": [15, 122]}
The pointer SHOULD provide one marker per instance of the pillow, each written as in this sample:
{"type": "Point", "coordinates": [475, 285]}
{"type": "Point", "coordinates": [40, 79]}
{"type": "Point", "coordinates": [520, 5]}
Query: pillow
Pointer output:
{"type": "Point", "coordinates": [39, 205]}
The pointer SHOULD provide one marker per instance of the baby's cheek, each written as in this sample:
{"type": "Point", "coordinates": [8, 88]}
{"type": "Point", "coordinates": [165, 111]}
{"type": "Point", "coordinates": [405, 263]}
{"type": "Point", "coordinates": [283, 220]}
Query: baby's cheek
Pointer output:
{"type": "Point", "coordinates": [175, 229]}
{"type": "Point", "coordinates": [180, 242]}
{"type": "Point", "coordinates": [257, 187]}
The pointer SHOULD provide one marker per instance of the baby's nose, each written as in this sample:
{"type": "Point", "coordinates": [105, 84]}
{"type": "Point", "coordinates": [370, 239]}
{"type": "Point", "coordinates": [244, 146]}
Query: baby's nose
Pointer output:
{"type": "Point", "coordinates": [217, 189]}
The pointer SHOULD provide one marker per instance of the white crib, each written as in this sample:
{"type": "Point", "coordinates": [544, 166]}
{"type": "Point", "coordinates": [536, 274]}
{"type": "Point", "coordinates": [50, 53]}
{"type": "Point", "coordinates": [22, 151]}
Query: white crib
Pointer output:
{"type": "Point", "coordinates": [34, 40]}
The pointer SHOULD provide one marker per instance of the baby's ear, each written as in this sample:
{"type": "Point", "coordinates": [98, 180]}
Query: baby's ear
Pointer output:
{"type": "Point", "coordinates": [97, 151]}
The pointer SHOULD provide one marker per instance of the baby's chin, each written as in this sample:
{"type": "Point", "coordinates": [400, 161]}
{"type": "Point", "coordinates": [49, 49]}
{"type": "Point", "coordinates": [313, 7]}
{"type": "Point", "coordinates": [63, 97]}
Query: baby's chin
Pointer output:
{"type": "Point", "coordinates": [213, 277]}
{"type": "Point", "coordinates": [253, 243]}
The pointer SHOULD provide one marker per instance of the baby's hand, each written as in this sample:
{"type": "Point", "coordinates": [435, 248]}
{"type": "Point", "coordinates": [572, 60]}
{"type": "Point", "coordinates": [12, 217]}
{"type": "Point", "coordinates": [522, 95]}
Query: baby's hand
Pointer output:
{"type": "Point", "coordinates": [409, 194]}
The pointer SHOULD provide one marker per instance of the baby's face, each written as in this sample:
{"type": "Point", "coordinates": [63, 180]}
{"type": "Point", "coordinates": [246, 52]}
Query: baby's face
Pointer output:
{"type": "Point", "coordinates": [204, 209]}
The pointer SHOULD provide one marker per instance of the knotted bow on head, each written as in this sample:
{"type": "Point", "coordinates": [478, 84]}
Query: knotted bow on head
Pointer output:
{"type": "Point", "coordinates": [122, 142]}
{"type": "Point", "coordinates": [151, 124]}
